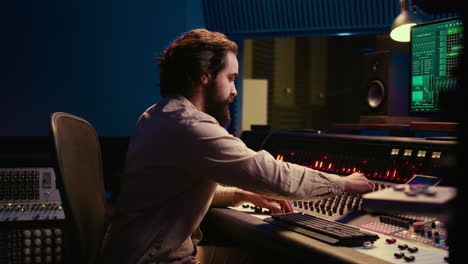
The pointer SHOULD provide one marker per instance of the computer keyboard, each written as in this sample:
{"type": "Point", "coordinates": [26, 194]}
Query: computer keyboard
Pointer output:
{"type": "Point", "coordinates": [328, 231]}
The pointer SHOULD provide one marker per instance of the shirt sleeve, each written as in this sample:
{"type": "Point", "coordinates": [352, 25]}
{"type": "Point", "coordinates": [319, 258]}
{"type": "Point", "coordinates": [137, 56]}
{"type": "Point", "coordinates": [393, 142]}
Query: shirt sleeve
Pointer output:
{"type": "Point", "coordinates": [227, 160]}
{"type": "Point", "coordinates": [225, 196]}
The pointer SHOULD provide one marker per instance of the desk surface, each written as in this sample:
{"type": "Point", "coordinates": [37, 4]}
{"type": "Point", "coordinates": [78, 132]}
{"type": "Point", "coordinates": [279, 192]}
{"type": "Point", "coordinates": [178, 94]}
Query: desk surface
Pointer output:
{"type": "Point", "coordinates": [252, 231]}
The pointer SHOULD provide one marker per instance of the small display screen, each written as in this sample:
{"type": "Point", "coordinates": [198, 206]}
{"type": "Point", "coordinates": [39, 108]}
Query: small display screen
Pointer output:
{"type": "Point", "coordinates": [424, 180]}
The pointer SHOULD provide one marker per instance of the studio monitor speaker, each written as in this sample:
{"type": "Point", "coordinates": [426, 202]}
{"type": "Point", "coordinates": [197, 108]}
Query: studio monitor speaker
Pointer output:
{"type": "Point", "coordinates": [385, 83]}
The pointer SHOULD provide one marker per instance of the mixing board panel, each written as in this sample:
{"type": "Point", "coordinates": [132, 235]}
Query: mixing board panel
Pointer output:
{"type": "Point", "coordinates": [397, 243]}
{"type": "Point", "coordinates": [28, 194]}
{"type": "Point", "coordinates": [31, 216]}
{"type": "Point", "coordinates": [387, 162]}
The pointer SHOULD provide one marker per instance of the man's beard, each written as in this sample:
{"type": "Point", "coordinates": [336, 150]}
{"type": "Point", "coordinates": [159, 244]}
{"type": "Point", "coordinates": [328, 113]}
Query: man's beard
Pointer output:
{"type": "Point", "coordinates": [217, 108]}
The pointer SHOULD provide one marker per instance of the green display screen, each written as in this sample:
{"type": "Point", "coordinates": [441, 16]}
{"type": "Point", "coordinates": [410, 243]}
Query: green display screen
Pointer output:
{"type": "Point", "coordinates": [436, 49]}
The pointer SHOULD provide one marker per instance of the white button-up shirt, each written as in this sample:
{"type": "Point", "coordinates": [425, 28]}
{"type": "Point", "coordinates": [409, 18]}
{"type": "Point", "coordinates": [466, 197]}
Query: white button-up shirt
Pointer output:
{"type": "Point", "coordinates": [176, 158]}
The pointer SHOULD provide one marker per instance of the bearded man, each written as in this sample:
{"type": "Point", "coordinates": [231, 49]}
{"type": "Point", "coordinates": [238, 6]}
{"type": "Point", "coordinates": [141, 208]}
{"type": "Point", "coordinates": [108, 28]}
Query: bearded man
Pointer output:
{"type": "Point", "coordinates": [181, 158]}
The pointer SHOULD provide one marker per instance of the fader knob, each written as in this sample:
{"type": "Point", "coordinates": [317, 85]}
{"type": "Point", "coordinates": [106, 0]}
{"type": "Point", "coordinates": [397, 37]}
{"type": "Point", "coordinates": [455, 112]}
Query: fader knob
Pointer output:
{"type": "Point", "coordinates": [27, 233]}
{"type": "Point", "coordinates": [48, 250]}
{"type": "Point", "coordinates": [57, 232]}
{"type": "Point", "coordinates": [58, 241]}
{"type": "Point", "coordinates": [47, 233]}
{"type": "Point", "coordinates": [418, 226]}
{"type": "Point", "coordinates": [37, 233]}
{"type": "Point", "coordinates": [27, 242]}
{"type": "Point", "coordinates": [37, 259]}
{"type": "Point", "coordinates": [48, 241]}
{"type": "Point", "coordinates": [37, 251]}
{"type": "Point", "coordinates": [37, 242]}
{"type": "Point", "coordinates": [58, 250]}
{"type": "Point", "coordinates": [48, 259]}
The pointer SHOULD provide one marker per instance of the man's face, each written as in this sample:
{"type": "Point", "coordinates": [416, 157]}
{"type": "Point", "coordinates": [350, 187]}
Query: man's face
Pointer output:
{"type": "Point", "coordinates": [221, 91]}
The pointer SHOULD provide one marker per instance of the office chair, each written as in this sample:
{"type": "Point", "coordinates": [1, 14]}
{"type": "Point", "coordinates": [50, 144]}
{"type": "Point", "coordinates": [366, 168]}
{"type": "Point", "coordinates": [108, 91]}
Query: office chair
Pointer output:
{"type": "Point", "coordinates": [79, 170]}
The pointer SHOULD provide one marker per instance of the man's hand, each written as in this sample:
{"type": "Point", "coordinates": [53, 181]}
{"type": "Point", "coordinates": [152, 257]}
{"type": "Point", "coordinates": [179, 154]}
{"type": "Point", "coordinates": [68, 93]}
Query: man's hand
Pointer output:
{"type": "Point", "coordinates": [274, 205]}
{"type": "Point", "coordinates": [357, 183]}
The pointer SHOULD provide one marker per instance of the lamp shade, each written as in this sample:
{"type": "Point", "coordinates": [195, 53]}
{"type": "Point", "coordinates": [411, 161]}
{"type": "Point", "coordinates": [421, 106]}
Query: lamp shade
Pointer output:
{"type": "Point", "coordinates": [402, 24]}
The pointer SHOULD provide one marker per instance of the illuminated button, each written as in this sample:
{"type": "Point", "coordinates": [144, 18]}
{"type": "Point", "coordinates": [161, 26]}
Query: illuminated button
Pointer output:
{"type": "Point", "coordinates": [421, 154]}
{"type": "Point", "coordinates": [436, 154]}
{"type": "Point", "coordinates": [395, 152]}
{"type": "Point", "coordinates": [407, 152]}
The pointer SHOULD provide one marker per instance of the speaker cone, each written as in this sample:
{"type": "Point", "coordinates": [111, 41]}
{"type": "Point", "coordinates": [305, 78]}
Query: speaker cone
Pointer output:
{"type": "Point", "coordinates": [375, 94]}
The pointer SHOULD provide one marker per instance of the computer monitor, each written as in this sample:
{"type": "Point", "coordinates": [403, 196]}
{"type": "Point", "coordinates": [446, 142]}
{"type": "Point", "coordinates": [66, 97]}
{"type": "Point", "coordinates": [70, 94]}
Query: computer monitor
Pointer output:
{"type": "Point", "coordinates": [436, 49]}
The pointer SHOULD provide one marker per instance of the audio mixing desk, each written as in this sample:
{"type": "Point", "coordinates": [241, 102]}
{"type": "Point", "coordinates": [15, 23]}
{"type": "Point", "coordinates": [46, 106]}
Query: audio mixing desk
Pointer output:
{"type": "Point", "coordinates": [31, 217]}
{"type": "Point", "coordinates": [402, 238]}
{"type": "Point", "coordinates": [411, 167]}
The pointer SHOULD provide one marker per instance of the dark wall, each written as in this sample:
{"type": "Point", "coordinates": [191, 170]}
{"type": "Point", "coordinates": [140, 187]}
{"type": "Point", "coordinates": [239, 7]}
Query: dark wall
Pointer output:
{"type": "Point", "coordinates": [95, 59]}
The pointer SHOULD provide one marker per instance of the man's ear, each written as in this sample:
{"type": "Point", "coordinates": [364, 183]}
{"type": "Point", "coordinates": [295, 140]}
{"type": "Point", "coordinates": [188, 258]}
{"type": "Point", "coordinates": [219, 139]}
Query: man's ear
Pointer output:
{"type": "Point", "coordinates": [205, 78]}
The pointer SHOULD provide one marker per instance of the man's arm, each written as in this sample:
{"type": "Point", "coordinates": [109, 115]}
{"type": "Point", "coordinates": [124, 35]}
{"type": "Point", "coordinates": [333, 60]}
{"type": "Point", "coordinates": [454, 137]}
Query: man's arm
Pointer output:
{"type": "Point", "coordinates": [231, 196]}
{"type": "Point", "coordinates": [227, 160]}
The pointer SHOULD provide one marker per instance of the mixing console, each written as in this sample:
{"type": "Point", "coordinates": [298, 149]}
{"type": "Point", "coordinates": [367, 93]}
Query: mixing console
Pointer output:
{"type": "Point", "coordinates": [387, 162]}
{"type": "Point", "coordinates": [31, 216]}
{"type": "Point", "coordinates": [31, 242]}
{"type": "Point", "coordinates": [424, 229]}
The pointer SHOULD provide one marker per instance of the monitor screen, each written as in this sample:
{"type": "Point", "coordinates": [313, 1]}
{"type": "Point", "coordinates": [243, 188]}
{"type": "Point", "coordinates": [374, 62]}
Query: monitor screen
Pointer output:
{"type": "Point", "coordinates": [436, 49]}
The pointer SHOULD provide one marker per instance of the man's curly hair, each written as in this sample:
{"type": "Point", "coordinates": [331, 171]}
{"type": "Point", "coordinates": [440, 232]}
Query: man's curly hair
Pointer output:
{"type": "Point", "coordinates": [194, 53]}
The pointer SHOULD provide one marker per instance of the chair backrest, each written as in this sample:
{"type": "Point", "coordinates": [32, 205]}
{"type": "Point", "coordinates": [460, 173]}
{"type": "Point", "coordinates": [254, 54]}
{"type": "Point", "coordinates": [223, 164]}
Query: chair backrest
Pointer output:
{"type": "Point", "coordinates": [79, 167]}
